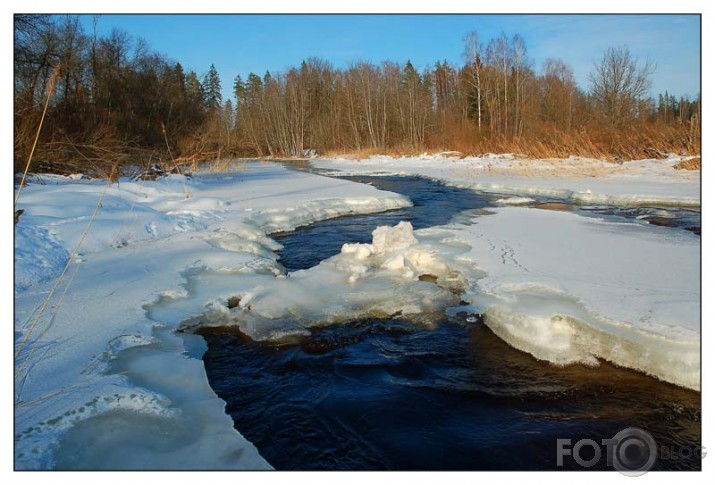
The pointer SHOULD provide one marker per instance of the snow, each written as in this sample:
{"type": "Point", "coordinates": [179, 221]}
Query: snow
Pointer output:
{"type": "Point", "coordinates": [99, 355]}
{"type": "Point", "coordinates": [575, 179]}
{"type": "Point", "coordinates": [562, 287]}
{"type": "Point", "coordinates": [364, 280]}
{"type": "Point", "coordinates": [39, 254]}
{"type": "Point", "coordinates": [515, 201]}
{"type": "Point", "coordinates": [568, 288]}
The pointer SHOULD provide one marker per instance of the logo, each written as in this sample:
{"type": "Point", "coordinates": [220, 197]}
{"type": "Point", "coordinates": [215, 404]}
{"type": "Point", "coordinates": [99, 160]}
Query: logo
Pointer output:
{"type": "Point", "coordinates": [632, 452]}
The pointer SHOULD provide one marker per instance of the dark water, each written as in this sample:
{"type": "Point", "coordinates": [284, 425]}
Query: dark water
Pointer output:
{"type": "Point", "coordinates": [674, 217]}
{"type": "Point", "coordinates": [382, 394]}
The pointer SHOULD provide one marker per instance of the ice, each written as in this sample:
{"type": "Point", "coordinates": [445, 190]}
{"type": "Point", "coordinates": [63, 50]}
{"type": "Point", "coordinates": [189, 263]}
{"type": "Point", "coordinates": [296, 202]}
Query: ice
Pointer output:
{"type": "Point", "coordinates": [159, 254]}
{"type": "Point", "coordinates": [566, 288]}
{"type": "Point", "coordinates": [365, 280]}
{"type": "Point", "coordinates": [515, 201]}
{"type": "Point", "coordinates": [288, 219]}
{"type": "Point", "coordinates": [562, 287]}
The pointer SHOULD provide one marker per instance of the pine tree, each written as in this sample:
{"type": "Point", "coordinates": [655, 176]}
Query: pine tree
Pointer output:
{"type": "Point", "coordinates": [211, 88]}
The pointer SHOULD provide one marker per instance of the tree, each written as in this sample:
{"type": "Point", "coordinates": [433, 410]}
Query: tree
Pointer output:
{"type": "Point", "coordinates": [618, 83]}
{"type": "Point", "coordinates": [239, 90]}
{"type": "Point", "coordinates": [558, 89]}
{"type": "Point", "coordinates": [520, 68]}
{"type": "Point", "coordinates": [473, 53]}
{"type": "Point", "coordinates": [193, 87]}
{"type": "Point", "coordinates": [211, 88]}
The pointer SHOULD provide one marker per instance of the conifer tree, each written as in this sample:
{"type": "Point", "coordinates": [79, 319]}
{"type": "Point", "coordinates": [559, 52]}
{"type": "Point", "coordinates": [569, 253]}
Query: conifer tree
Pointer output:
{"type": "Point", "coordinates": [211, 88]}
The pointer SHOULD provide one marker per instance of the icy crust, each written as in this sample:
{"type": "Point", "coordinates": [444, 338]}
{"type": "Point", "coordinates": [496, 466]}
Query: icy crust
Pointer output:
{"type": "Point", "coordinates": [103, 381]}
{"type": "Point", "coordinates": [394, 276]}
{"type": "Point", "coordinates": [575, 179]}
{"type": "Point", "coordinates": [284, 220]}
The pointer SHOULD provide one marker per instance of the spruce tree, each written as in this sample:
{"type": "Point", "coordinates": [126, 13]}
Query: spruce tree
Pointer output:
{"type": "Point", "coordinates": [211, 88]}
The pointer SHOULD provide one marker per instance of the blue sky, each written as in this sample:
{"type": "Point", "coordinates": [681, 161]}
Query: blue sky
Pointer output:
{"type": "Point", "coordinates": [239, 44]}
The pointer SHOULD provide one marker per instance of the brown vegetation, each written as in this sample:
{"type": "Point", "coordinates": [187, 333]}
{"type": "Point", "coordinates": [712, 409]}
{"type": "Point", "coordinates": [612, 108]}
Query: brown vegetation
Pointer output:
{"type": "Point", "coordinates": [117, 103]}
{"type": "Point", "coordinates": [691, 164]}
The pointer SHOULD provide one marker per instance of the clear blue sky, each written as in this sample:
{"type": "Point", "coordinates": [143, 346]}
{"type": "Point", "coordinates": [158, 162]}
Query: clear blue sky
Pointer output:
{"type": "Point", "coordinates": [239, 44]}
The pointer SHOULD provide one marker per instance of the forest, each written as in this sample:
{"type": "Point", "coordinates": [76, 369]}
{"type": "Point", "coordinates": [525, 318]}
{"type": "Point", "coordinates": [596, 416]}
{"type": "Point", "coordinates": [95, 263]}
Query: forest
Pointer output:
{"type": "Point", "coordinates": [98, 103]}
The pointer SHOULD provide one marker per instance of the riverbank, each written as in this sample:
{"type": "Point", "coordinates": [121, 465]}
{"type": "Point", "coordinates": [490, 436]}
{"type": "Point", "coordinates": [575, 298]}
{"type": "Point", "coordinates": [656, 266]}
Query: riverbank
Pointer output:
{"type": "Point", "coordinates": [575, 179]}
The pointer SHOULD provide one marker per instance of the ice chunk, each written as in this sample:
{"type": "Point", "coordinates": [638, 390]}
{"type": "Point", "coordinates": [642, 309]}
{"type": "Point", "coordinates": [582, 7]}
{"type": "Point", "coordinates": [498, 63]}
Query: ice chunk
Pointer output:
{"type": "Point", "coordinates": [515, 201]}
{"type": "Point", "coordinates": [386, 238]}
{"type": "Point", "coordinates": [365, 280]}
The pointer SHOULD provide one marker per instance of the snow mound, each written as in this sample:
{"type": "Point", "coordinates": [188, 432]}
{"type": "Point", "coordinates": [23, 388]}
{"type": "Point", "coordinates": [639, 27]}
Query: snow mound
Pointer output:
{"type": "Point", "coordinates": [515, 201]}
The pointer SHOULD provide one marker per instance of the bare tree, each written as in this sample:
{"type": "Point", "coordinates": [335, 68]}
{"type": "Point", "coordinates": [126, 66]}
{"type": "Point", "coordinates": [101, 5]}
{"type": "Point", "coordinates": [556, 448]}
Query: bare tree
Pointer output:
{"type": "Point", "coordinates": [618, 83]}
{"type": "Point", "coordinates": [520, 66]}
{"type": "Point", "coordinates": [473, 53]}
{"type": "Point", "coordinates": [558, 89]}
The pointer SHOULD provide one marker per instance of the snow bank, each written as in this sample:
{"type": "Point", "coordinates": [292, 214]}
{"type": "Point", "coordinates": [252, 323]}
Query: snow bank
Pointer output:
{"type": "Point", "coordinates": [580, 180]}
{"type": "Point", "coordinates": [103, 354]}
{"type": "Point", "coordinates": [567, 288]}
{"type": "Point", "coordinates": [288, 219]}
{"type": "Point", "coordinates": [102, 381]}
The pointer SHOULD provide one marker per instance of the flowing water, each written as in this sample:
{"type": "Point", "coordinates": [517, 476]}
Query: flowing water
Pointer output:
{"type": "Point", "coordinates": [383, 394]}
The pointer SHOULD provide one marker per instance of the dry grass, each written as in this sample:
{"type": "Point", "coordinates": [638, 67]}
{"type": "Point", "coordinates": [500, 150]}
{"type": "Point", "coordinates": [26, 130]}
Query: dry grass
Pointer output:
{"type": "Point", "coordinates": [691, 164]}
{"type": "Point", "coordinates": [364, 153]}
{"type": "Point", "coordinates": [639, 141]}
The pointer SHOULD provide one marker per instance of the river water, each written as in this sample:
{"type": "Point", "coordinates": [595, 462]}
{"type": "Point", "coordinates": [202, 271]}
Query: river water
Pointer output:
{"type": "Point", "coordinates": [388, 395]}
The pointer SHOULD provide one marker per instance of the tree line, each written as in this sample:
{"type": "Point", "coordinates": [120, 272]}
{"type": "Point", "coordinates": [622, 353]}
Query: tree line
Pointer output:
{"type": "Point", "coordinates": [110, 100]}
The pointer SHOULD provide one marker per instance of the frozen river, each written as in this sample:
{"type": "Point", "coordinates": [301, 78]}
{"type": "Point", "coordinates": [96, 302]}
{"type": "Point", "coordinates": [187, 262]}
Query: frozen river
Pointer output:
{"type": "Point", "coordinates": [379, 393]}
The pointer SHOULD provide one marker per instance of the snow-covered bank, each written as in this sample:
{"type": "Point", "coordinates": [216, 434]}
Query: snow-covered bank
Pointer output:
{"type": "Point", "coordinates": [583, 181]}
{"type": "Point", "coordinates": [101, 379]}
{"type": "Point", "coordinates": [567, 288]}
